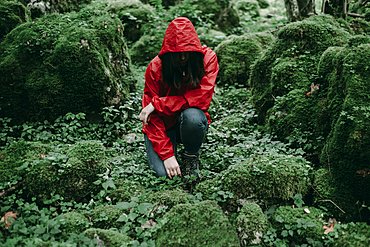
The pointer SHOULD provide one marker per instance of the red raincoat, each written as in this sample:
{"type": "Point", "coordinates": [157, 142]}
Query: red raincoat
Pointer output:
{"type": "Point", "coordinates": [168, 101]}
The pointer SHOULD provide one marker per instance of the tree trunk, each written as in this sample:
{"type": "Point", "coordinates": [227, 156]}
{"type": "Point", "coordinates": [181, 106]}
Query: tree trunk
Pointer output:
{"type": "Point", "coordinates": [299, 9]}
{"type": "Point", "coordinates": [336, 8]}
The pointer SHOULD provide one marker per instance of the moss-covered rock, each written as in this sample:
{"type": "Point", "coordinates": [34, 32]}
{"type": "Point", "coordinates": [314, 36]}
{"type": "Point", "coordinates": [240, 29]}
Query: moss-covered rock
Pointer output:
{"type": "Point", "coordinates": [18, 154]}
{"type": "Point", "coordinates": [276, 177]}
{"type": "Point", "coordinates": [147, 47]}
{"type": "Point", "coordinates": [248, 8]}
{"type": "Point", "coordinates": [166, 199]}
{"type": "Point", "coordinates": [236, 54]}
{"type": "Point", "coordinates": [106, 216]}
{"type": "Point", "coordinates": [360, 26]}
{"type": "Point", "coordinates": [329, 193]}
{"type": "Point", "coordinates": [39, 8]}
{"type": "Point", "coordinates": [134, 16]}
{"type": "Point", "coordinates": [301, 43]}
{"type": "Point", "coordinates": [287, 90]}
{"type": "Point", "coordinates": [74, 222]}
{"type": "Point", "coordinates": [11, 15]}
{"type": "Point", "coordinates": [202, 224]}
{"type": "Point", "coordinates": [210, 37]}
{"type": "Point", "coordinates": [165, 3]}
{"type": "Point", "coordinates": [304, 222]}
{"type": "Point", "coordinates": [221, 12]}
{"type": "Point", "coordinates": [69, 173]}
{"type": "Point", "coordinates": [107, 237]}
{"type": "Point", "coordinates": [75, 62]}
{"type": "Point", "coordinates": [347, 145]}
{"type": "Point", "coordinates": [125, 189]}
{"type": "Point", "coordinates": [251, 224]}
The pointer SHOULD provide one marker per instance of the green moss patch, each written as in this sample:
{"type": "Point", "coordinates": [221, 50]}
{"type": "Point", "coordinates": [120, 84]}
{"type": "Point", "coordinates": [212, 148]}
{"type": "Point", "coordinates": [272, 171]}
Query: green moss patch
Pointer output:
{"type": "Point", "coordinates": [75, 62]}
{"type": "Point", "coordinates": [202, 224]}
{"type": "Point", "coordinates": [267, 176]}
{"type": "Point", "coordinates": [106, 216]}
{"type": "Point", "coordinates": [69, 172]}
{"type": "Point", "coordinates": [11, 15]}
{"type": "Point", "coordinates": [236, 54]}
{"type": "Point", "coordinates": [107, 237]}
{"type": "Point", "coordinates": [251, 224]}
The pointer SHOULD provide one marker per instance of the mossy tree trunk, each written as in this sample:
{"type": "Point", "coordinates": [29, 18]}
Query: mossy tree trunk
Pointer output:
{"type": "Point", "coordinates": [299, 9]}
{"type": "Point", "coordinates": [336, 8]}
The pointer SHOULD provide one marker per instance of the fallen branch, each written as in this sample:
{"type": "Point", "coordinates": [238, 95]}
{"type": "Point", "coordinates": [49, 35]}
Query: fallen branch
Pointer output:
{"type": "Point", "coordinates": [356, 15]}
{"type": "Point", "coordinates": [325, 200]}
{"type": "Point", "coordinates": [4, 192]}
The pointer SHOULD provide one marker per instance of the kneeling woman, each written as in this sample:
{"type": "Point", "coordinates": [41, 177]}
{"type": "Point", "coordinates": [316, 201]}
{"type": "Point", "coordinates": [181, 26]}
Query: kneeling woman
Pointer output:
{"type": "Point", "coordinates": [179, 85]}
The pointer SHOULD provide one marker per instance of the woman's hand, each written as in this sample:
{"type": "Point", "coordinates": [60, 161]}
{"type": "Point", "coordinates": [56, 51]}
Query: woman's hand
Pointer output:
{"type": "Point", "coordinates": [172, 167]}
{"type": "Point", "coordinates": [144, 115]}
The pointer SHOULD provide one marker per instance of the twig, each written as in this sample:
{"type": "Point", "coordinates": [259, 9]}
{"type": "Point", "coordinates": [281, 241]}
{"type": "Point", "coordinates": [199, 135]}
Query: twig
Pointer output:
{"type": "Point", "coordinates": [331, 202]}
{"type": "Point", "coordinates": [320, 177]}
{"type": "Point", "coordinates": [328, 160]}
{"type": "Point", "coordinates": [4, 192]}
{"type": "Point", "coordinates": [311, 155]}
{"type": "Point", "coordinates": [317, 192]}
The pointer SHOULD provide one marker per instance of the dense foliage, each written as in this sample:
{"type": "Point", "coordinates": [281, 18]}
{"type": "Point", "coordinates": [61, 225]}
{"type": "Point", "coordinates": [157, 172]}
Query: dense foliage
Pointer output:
{"type": "Point", "coordinates": [267, 177]}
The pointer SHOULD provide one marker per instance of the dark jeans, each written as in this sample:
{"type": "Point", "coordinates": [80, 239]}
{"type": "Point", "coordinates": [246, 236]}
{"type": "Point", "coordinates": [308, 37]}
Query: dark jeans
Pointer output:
{"type": "Point", "coordinates": [190, 130]}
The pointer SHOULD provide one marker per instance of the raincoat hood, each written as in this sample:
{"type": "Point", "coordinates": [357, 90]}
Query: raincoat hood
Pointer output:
{"type": "Point", "coordinates": [181, 36]}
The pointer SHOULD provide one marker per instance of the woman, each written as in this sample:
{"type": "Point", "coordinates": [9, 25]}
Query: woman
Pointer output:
{"type": "Point", "coordinates": [179, 85]}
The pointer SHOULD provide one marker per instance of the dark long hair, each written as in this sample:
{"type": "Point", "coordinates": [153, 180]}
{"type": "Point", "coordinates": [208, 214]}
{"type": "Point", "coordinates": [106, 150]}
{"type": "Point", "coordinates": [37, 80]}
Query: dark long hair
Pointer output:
{"type": "Point", "coordinates": [172, 71]}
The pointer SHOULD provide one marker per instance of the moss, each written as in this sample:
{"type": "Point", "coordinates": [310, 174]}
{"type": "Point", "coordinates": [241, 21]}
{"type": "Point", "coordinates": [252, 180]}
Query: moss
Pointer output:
{"type": "Point", "coordinates": [248, 8]}
{"type": "Point", "coordinates": [147, 47]}
{"type": "Point", "coordinates": [295, 117]}
{"type": "Point", "coordinates": [236, 54]}
{"type": "Point", "coordinates": [297, 219]}
{"type": "Point", "coordinates": [106, 216]}
{"type": "Point", "coordinates": [12, 14]}
{"type": "Point", "coordinates": [169, 198]}
{"type": "Point", "coordinates": [125, 190]}
{"type": "Point", "coordinates": [63, 63]}
{"type": "Point", "coordinates": [134, 16]}
{"type": "Point", "coordinates": [18, 154]}
{"type": "Point", "coordinates": [221, 12]}
{"type": "Point", "coordinates": [165, 3]}
{"type": "Point", "coordinates": [360, 26]}
{"type": "Point", "coordinates": [210, 37]}
{"type": "Point", "coordinates": [347, 144]}
{"type": "Point", "coordinates": [39, 8]}
{"type": "Point", "coordinates": [209, 226]}
{"type": "Point", "coordinates": [251, 224]}
{"type": "Point", "coordinates": [329, 194]}
{"type": "Point", "coordinates": [69, 173]}
{"type": "Point", "coordinates": [303, 41]}
{"type": "Point", "coordinates": [74, 223]}
{"type": "Point", "coordinates": [107, 237]}
{"type": "Point", "coordinates": [208, 187]}
{"type": "Point", "coordinates": [266, 176]}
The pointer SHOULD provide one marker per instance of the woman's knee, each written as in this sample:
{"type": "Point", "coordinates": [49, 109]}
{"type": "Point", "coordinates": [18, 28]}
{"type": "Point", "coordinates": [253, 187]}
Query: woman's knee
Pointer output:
{"type": "Point", "coordinates": [194, 117]}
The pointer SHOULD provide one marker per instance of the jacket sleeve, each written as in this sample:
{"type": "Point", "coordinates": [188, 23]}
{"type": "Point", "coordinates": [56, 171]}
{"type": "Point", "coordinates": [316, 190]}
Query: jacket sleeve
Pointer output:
{"type": "Point", "coordinates": [155, 130]}
{"type": "Point", "coordinates": [199, 97]}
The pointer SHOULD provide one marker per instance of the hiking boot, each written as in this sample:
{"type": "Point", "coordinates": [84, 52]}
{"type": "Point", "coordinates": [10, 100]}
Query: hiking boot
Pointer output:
{"type": "Point", "coordinates": [189, 164]}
